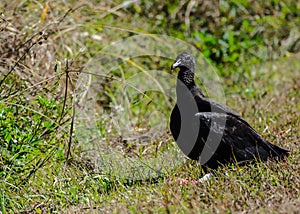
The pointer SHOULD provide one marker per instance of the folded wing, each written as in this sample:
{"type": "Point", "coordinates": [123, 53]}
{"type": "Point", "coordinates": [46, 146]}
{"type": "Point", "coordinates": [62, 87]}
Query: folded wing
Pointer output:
{"type": "Point", "coordinates": [237, 140]}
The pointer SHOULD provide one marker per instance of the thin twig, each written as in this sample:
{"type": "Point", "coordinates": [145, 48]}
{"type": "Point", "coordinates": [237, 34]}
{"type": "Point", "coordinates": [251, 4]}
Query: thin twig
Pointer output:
{"type": "Point", "coordinates": [66, 90]}
{"type": "Point", "coordinates": [70, 134]}
{"type": "Point", "coordinates": [15, 65]}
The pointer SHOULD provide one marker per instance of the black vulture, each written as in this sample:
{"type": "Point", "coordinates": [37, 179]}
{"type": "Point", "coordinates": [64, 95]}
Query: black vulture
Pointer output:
{"type": "Point", "coordinates": [210, 132]}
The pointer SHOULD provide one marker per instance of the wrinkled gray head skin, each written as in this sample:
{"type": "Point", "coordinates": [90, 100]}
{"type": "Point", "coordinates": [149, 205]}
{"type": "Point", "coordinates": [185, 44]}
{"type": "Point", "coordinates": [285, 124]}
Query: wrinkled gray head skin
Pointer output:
{"type": "Point", "coordinates": [184, 60]}
{"type": "Point", "coordinates": [186, 63]}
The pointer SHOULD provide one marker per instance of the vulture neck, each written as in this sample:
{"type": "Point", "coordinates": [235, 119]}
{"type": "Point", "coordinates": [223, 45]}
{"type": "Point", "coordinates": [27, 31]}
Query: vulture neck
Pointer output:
{"type": "Point", "coordinates": [185, 80]}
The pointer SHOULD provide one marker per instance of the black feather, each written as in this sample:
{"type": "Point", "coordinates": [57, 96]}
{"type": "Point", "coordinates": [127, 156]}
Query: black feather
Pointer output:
{"type": "Point", "coordinates": [210, 132]}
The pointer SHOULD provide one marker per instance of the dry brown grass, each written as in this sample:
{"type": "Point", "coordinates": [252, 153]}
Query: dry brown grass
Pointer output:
{"type": "Point", "coordinates": [39, 45]}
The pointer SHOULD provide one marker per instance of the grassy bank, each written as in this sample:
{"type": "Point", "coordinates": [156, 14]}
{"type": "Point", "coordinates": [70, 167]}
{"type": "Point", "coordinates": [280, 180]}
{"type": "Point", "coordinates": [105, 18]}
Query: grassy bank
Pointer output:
{"type": "Point", "coordinates": [46, 48]}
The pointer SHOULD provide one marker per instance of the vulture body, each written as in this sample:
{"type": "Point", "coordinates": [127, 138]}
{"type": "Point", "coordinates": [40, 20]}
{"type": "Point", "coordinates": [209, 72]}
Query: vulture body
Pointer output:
{"type": "Point", "coordinates": [210, 132]}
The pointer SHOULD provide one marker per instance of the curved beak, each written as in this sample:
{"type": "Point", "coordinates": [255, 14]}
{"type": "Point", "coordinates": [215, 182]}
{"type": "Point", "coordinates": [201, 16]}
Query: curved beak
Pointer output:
{"type": "Point", "coordinates": [175, 64]}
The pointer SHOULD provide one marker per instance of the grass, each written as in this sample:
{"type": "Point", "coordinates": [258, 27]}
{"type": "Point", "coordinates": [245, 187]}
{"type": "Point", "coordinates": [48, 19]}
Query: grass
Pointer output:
{"type": "Point", "coordinates": [263, 187]}
{"type": "Point", "coordinates": [46, 50]}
